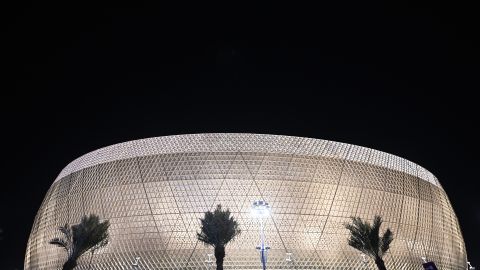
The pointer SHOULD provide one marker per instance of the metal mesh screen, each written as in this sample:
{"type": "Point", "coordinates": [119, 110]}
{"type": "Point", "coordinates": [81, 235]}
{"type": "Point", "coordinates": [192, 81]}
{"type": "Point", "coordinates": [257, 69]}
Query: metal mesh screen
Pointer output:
{"type": "Point", "coordinates": [154, 191]}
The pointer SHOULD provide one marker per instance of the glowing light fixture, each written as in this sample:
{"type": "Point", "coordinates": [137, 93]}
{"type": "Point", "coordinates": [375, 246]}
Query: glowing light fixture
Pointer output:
{"type": "Point", "coordinates": [261, 210]}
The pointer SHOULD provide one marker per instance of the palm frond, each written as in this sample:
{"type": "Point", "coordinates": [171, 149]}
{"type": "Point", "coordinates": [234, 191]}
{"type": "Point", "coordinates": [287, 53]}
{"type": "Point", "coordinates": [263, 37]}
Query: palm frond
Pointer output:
{"type": "Point", "coordinates": [99, 245]}
{"type": "Point", "coordinates": [360, 236]}
{"type": "Point", "coordinates": [385, 241]}
{"type": "Point", "coordinates": [89, 234]}
{"type": "Point", "coordinates": [65, 241]}
{"type": "Point", "coordinates": [65, 229]}
{"type": "Point", "coordinates": [67, 233]}
{"type": "Point", "coordinates": [59, 242]}
{"type": "Point", "coordinates": [218, 227]}
{"type": "Point", "coordinates": [365, 237]}
{"type": "Point", "coordinates": [374, 234]}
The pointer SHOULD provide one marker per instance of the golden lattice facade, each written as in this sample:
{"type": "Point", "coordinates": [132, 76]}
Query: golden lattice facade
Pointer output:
{"type": "Point", "coordinates": [154, 191]}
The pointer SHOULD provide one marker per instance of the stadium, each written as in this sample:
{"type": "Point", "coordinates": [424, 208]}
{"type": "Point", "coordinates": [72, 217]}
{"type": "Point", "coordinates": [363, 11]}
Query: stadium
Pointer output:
{"type": "Point", "coordinates": [154, 191]}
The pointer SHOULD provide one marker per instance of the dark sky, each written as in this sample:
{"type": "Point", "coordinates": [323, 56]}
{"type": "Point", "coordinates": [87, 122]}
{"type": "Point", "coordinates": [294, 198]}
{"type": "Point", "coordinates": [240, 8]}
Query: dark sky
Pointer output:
{"type": "Point", "coordinates": [400, 78]}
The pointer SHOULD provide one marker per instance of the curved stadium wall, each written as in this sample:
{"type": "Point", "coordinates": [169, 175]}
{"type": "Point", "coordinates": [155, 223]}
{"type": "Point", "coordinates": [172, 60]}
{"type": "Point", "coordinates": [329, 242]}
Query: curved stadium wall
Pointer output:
{"type": "Point", "coordinates": [154, 191]}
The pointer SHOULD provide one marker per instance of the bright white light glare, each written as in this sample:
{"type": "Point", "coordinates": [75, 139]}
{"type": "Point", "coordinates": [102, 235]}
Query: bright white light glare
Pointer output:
{"type": "Point", "coordinates": [260, 209]}
{"type": "Point", "coordinates": [289, 257]}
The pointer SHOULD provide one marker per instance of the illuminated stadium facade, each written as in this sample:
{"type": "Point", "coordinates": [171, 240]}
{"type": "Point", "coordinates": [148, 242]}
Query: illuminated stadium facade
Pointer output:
{"type": "Point", "coordinates": [154, 191]}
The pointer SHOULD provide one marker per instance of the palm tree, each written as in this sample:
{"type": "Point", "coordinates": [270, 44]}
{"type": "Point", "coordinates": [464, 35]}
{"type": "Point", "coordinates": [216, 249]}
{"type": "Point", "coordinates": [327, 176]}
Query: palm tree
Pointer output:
{"type": "Point", "coordinates": [217, 229]}
{"type": "Point", "coordinates": [89, 235]}
{"type": "Point", "coordinates": [365, 237]}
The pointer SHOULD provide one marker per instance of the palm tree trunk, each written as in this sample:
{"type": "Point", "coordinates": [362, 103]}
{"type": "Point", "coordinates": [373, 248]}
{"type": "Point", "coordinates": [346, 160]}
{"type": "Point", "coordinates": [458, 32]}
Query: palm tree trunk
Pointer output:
{"type": "Point", "coordinates": [219, 255]}
{"type": "Point", "coordinates": [380, 264]}
{"type": "Point", "coordinates": [69, 265]}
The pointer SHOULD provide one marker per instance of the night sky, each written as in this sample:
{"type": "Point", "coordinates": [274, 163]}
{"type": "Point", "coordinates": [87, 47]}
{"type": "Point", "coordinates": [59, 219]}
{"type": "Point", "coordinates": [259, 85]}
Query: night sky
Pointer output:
{"type": "Point", "coordinates": [399, 78]}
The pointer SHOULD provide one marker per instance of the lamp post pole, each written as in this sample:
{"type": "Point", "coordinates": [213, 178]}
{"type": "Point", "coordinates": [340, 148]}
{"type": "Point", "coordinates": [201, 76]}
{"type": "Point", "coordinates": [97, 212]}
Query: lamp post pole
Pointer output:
{"type": "Point", "coordinates": [262, 245]}
{"type": "Point", "coordinates": [262, 209]}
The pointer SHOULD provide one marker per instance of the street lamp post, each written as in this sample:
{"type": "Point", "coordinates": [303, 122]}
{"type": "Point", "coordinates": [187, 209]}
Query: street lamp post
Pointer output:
{"type": "Point", "coordinates": [261, 209]}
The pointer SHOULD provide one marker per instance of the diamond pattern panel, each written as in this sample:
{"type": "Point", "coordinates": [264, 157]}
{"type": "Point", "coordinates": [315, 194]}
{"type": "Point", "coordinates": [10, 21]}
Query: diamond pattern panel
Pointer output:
{"type": "Point", "coordinates": [154, 191]}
